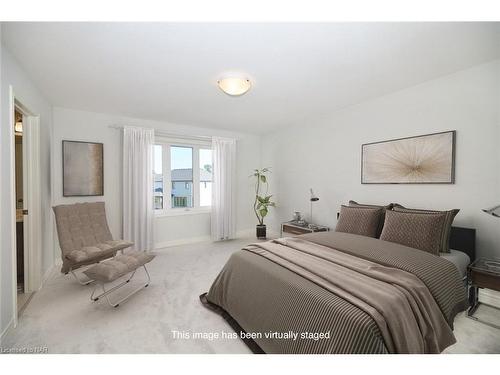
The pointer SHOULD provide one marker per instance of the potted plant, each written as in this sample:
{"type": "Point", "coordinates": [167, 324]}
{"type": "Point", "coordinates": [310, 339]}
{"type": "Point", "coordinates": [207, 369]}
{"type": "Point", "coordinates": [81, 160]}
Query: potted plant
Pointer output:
{"type": "Point", "coordinates": [262, 201]}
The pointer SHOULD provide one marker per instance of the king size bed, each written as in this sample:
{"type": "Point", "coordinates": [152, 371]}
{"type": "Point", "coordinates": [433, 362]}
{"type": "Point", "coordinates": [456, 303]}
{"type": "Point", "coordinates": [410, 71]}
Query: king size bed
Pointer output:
{"type": "Point", "coordinates": [338, 292]}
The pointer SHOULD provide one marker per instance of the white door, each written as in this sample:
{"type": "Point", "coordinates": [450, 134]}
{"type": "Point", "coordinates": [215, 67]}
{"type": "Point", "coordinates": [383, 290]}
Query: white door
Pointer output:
{"type": "Point", "coordinates": [32, 204]}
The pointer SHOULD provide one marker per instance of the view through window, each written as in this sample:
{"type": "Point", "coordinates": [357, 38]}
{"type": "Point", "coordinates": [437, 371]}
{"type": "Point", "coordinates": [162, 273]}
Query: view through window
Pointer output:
{"type": "Point", "coordinates": [182, 176]}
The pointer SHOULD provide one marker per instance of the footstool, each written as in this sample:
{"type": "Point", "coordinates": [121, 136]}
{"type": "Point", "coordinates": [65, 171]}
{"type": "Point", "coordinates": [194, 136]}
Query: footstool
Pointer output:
{"type": "Point", "coordinates": [121, 265]}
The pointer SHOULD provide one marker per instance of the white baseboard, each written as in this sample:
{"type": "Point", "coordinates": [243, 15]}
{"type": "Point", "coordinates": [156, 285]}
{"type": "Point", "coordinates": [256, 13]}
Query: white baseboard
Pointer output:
{"type": "Point", "coordinates": [244, 233]}
{"type": "Point", "coordinates": [44, 279]}
{"type": "Point", "coordinates": [251, 233]}
{"type": "Point", "coordinates": [6, 330]}
{"type": "Point", "coordinates": [48, 273]}
{"type": "Point", "coordinates": [182, 241]}
{"type": "Point", "coordinates": [273, 234]}
{"type": "Point", "coordinates": [489, 297]}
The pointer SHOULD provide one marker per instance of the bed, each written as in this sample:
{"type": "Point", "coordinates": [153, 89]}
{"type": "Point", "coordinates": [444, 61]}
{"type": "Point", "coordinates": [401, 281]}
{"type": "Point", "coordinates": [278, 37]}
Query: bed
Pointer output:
{"type": "Point", "coordinates": [333, 292]}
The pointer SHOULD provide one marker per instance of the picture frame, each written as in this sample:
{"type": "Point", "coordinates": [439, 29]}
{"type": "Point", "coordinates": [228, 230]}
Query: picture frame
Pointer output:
{"type": "Point", "coordinates": [83, 168]}
{"type": "Point", "coordinates": [421, 159]}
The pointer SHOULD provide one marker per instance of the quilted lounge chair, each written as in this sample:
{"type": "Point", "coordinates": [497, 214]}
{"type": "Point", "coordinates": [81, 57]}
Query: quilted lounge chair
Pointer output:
{"type": "Point", "coordinates": [84, 236]}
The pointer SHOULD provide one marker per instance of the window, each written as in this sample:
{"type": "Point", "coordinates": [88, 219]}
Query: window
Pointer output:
{"type": "Point", "coordinates": [182, 175]}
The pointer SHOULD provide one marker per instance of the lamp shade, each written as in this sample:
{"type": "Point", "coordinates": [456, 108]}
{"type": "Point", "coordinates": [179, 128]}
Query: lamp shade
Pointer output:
{"type": "Point", "coordinates": [313, 198]}
{"type": "Point", "coordinates": [234, 86]}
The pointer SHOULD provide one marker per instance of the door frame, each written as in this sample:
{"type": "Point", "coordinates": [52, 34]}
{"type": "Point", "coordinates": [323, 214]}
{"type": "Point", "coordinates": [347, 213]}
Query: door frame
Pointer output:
{"type": "Point", "coordinates": [32, 226]}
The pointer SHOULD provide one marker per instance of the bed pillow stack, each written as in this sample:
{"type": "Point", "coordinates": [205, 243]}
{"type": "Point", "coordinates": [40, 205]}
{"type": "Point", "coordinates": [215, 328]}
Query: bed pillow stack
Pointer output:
{"type": "Point", "coordinates": [359, 220]}
{"type": "Point", "coordinates": [382, 213]}
{"type": "Point", "coordinates": [427, 230]}
{"type": "Point", "coordinates": [444, 240]}
{"type": "Point", "coordinates": [419, 231]}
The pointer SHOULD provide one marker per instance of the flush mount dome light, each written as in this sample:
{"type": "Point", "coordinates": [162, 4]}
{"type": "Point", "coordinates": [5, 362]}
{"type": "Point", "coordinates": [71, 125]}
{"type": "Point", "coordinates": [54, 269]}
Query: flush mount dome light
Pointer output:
{"type": "Point", "coordinates": [234, 86]}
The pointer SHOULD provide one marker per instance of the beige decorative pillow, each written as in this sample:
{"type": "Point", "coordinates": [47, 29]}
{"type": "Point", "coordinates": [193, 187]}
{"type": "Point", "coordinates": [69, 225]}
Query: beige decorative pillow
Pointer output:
{"type": "Point", "coordinates": [359, 220]}
{"type": "Point", "coordinates": [445, 235]}
{"type": "Point", "coordinates": [420, 231]}
{"type": "Point", "coordinates": [382, 214]}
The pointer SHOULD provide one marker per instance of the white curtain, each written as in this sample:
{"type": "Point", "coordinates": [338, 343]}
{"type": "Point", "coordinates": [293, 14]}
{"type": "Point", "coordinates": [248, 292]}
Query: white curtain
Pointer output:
{"type": "Point", "coordinates": [224, 169]}
{"type": "Point", "coordinates": [138, 212]}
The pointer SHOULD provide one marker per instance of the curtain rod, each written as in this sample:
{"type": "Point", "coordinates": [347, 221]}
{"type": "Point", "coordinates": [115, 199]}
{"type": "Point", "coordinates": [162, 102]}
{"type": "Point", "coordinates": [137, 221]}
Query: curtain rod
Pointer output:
{"type": "Point", "coordinates": [163, 133]}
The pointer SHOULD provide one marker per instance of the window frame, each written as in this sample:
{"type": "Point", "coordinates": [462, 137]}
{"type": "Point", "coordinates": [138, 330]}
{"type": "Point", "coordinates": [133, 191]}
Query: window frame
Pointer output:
{"type": "Point", "coordinates": [195, 145]}
{"type": "Point", "coordinates": [154, 181]}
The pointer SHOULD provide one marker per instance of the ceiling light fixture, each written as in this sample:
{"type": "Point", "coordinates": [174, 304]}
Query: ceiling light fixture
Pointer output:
{"type": "Point", "coordinates": [234, 86]}
{"type": "Point", "coordinates": [18, 127]}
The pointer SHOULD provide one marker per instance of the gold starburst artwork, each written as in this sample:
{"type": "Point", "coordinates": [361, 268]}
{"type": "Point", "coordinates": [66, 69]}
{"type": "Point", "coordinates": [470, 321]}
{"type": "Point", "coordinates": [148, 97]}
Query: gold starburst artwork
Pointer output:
{"type": "Point", "coordinates": [415, 160]}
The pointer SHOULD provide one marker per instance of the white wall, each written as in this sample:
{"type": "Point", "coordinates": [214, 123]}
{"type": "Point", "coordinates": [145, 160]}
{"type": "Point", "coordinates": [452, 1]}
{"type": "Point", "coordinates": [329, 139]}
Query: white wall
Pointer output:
{"type": "Point", "coordinates": [28, 94]}
{"type": "Point", "coordinates": [326, 154]}
{"type": "Point", "coordinates": [88, 126]}
{"type": "Point", "coordinates": [2, 327]}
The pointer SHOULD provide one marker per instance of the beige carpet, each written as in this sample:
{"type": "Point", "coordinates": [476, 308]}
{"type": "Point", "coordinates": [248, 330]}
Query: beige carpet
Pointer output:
{"type": "Point", "coordinates": [62, 318]}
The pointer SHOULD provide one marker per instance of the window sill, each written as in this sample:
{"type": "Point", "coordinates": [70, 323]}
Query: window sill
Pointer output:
{"type": "Point", "coordinates": [182, 212]}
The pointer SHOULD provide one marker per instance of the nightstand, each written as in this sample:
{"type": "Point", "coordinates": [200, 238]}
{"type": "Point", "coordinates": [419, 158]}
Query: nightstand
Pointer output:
{"type": "Point", "coordinates": [292, 228]}
{"type": "Point", "coordinates": [482, 273]}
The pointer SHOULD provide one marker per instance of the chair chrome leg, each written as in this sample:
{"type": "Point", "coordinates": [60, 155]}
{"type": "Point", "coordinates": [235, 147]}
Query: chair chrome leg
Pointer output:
{"type": "Point", "coordinates": [81, 282]}
{"type": "Point", "coordinates": [92, 298]}
{"type": "Point", "coordinates": [105, 292]}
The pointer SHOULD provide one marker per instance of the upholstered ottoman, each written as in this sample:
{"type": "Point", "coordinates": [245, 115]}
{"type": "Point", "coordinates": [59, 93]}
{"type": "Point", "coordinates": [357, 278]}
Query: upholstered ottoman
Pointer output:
{"type": "Point", "coordinates": [121, 265]}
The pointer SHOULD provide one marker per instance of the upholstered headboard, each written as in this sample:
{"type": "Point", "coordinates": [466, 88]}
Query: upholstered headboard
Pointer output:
{"type": "Point", "coordinates": [464, 239]}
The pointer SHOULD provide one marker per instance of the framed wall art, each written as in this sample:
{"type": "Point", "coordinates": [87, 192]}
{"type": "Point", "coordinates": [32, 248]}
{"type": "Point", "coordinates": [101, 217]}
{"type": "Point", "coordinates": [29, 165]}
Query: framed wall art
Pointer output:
{"type": "Point", "coordinates": [83, 168]}
{"type": "Point", "coordinates": [424, 159]}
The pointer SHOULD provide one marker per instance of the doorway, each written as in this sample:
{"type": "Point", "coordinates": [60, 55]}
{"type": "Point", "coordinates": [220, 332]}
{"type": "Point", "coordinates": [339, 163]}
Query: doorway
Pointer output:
{"type": "Point", "coordinates": [26, 205]}
{"type": "Point", "coordinates": [23, 293]}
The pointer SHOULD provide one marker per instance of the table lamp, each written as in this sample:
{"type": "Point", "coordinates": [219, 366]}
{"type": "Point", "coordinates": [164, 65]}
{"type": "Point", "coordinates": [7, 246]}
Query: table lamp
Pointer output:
{"type": "Point", "coordinates": [313, 198]}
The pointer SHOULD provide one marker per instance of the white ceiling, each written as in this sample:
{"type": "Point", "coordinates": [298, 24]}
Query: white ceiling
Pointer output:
{"type": "Point", "coordinates": [168, 71]}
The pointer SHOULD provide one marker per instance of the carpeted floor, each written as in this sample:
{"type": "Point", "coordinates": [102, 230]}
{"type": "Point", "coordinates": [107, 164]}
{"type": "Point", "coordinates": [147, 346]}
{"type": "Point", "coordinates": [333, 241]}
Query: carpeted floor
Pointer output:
{"type": "Point", "coordinates": [62, 318]}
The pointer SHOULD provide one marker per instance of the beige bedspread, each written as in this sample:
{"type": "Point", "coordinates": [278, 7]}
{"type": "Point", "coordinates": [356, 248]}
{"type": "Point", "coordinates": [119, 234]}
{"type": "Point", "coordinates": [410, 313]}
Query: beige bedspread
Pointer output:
{"type": "Point", "coordinates": [340, 284]}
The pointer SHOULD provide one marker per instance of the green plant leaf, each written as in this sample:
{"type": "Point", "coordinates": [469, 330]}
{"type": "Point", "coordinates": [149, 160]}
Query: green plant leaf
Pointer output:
{"type": "Point", "coordinates": [261, 204]}
{"type": "Point", "coordinates": [263, 212]}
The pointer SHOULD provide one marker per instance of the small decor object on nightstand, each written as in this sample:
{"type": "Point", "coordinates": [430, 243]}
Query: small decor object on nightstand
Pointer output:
{"type": "Point", "coordinates": [262, 202]}
{"type": "Point", "coordinates": [297, 218]}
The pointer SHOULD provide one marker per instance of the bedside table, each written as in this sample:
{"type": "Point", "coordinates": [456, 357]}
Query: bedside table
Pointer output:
{"type": "Point", "coordinates": [482, 273]}
{"type": "Point", "coordinates": [295, 229]}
